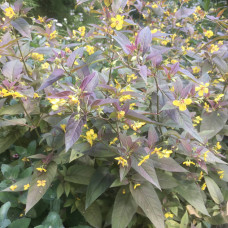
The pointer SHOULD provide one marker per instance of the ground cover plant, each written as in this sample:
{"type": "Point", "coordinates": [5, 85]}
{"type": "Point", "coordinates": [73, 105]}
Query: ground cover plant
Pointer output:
{"type": "Point", "coordinates": [117, 123]}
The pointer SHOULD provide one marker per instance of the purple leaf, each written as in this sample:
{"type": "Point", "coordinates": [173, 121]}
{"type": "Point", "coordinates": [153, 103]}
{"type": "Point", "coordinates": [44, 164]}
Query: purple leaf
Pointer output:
{"type": "Point", "coordinates": [184, 12]}
{"type": "Point", "coordinates": [152, 136]}
{"type": "Point", "coordinates": [89, 83]}
{"type": "Point", "coordinates": [101, 102]}
{"type": "Point", "coordinates": [73, 130]}
{"type": "Point", "coordinates": [143, 72]}
{"type": "Point", "coordinates": [118, 4]}
{"type": "Point", "coordinates": [55, 76]}
{"type": "Point", "coordinates": [144, 39]}
{"type": "Point", "coordinates": [174, 68]}
{"type": "Point", "coordinates": [12, 69]}
{"type": "Point", "coordinates": [22, 26]}
{"type": "Point", "coordinates": [73, 56]}
{"type": "Point", "coordinates": [124, 42]}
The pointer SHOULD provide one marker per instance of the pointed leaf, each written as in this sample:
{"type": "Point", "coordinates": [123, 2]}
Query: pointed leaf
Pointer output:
{"type": "Point", "coordinates": [22, 26]}
{"type": "Point", "coordinates": [146, 197]}
{"type": "Point", "coordinates": [191, 193]}
{"type": "Point", "coordinates": [99, 182]}
{"type": "Point", "coordinates": [55, 76]}
{"type": "Point", "coordinates": [35, 193]}
{"type": "Point", "coordinates": [124, 209]}
{"type": "Point", "coordinates": [214, 190]}
{"type": "Point", "coordinates": [73, 130]}
{"type": "Point", "coordinates": [12, 69]}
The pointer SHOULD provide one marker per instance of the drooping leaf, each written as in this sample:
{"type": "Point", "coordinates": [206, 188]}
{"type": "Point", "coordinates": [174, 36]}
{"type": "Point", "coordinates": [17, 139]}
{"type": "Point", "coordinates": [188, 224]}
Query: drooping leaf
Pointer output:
{"type": "Point", "coordinates": [99, 182]}
{"type": "Point", "coordinates": [20, 185]}
{"type": "Point", "coordinates": [92, 214]}
{"type": "Point", "coordinates": [146, 170]}
{"type": "Point", "coordinates": [124, 209]}
{"type": "Point", "coordinates": [23, 222]}
{"type": "Point", "coordinates": [191, 193]}
{"type": "Point", "coordinates": [143, 39]}
{"type": "Point", "coordinates": [118, 4]}
{"type": "Point", "coordinates": [4, 221]}
{"type": "Point", "coordinates": [73, 130]}
{"type": "Point", "coordinates": [12, 69]}
{"type": "Point", "coordinates": [89, 83]}
{"type": "Point", "coordinates": [146, 197]}
{"type": "Point", "coordinates": [214, 190]}
{"type": "Point", "coordinates": [55, 76]}
{"type": "Point", "coordinates": [22, 26]}
{"type": "Point", "coordinates": [215, 121]}
{"type": "Point", "coordinates": [166, 181]}
{"type": "Point", "coordinates": [79, 174]}
{"type": "Point", "coordinates": [35, 193]}
{"type": "Point", "coordinates": [4, 123]}
{"type": "Point", "coordinates": [167, 164]}
{"type": "Point", "coordinates": [184, 220]}
{"type": "Point", "coordinates": [143, 72]}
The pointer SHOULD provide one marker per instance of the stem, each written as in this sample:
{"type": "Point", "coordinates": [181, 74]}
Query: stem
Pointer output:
{"type": "Point", "coordinates": [158, 118]}
{"type": "Point", "coordinates": [22, 58]}
{"type": "Point", "coordinates": [118, 131]}
{"type": "Point", "coordinates": [30, 119]}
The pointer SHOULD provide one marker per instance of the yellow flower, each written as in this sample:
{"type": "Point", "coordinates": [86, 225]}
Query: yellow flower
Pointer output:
{"type": "Point", "coordinates": [154, 6]}
{"type": "Point", "coordinates": [209, 33]}
{"type": "Point", "coordinates": [202, 88]}
{"type": "Point", "coordinates": [173, 61]}
{"type": "Point", "coordinates": [120, 114]}
{"type": "Point", "coordinates": [41, 19]}
{"type": "Point", "coordinates": [132, 106]}
{"type": "Point", "coordinates": [117, 22]}
{"type": "Point", "coordinates": [137, 125]}
{"type": "Point", "coordinates": [41, 183]}
{"type": "Point", "coordinates": [131, 77]}
{"type": "Point", "coordinates": [13, 187]}
{"type": "Point", "coordinates": [107, 2]}
{"type": "Point", "coordinates": [113, 141]}
{"type": "Point", "coordinates": [188, 163]}
{"type": "Point", "coordinates": [53, 35]}
{"type": "Point", "coordinates": [63, 127]}
{"type": "Point", "coordinates": [124, 191]}
{"type": "Point", "coordinates": [218, 97]}
{"type": "Point", "coordinates": [221, 174]}
{"type": "Point", "coordinates": [82, 30]}
{"type": "Point", "coordinates": [125, 127]}
{"type": "Point", "coordinates": [36, 95]}
{"type": "Point", "coordinates": [164, 153]}
{"type": "Point", "coordinates": [37, 56]}
{"type": "Point", "coordinates": [121, 161]}
{"type": "Point", "coordinates": [41, 169]}
{"type": "Point", "coordinates": [200, 176]}
{"type": "Point", "coordinates": [90, 136]}
{"type": "Point", "coordinates": [24, 159]}
{"type": "Point", "coordinates": [204, 186]}
{"type": "Point", "coordinates": [90, 49]}
{"type": "Point", "coordinates": [197, 120]}
{"type": "Point", "coordinates": [182, 104]}
{"type": "Point", "coordinates": [45, 65]}
{"type": "Point", "coordinates": [169, 215]}
{"type": "Point", "coordinates": [144, 160]}
{"type": "Point", "coordinates": [196, 70]}
{"type": "Point", "coordinates": [205, 155]}
{"type": "Point", "coordinates": [136, 185]}
{"type": "Point", "coordinates": [218, 146]}
{"type": "Point", "coordinates": [9, 12]}
{"type": "Point", "coordinates": [26, 186]}
{"type": "Point", "coordinates": [154, 31]}
{"type": "Point", "coordinates": [213, 48]}
{"type": "Point", "coordinates": [206, 107]}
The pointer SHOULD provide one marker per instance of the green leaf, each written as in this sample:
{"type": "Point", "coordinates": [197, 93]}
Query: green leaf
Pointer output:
{"type": "Point", "coordinates": [166, 181]}
{"type": "Point", "coordinates": [118, 4]}
{"type": "Point", "coordinates": [99, 182]}
{"type": "Point", "coordinates": [146, 170]}
{"type": "Point", "coordinates": [191, 193]}
{"type": "Point", "coordinates": [12, 110]}
{"type": "Point", "coordinates": [20, 185]}
{"type": "Point", "coordinates": [214, 190]}
{"type": "Point", "coordinates": [184, 220]}
{"type": "Point", "coordinates": [172, 224]}
{"type": "Point", "coordinates": [92, 214]}
{"type": "Point", "coordinates": [4, 221]}
{"type": "Point", "coordinates": [79, 174]}
{"type": "Point", "coordinates": [35, 193]}
{"type": "Point", "coordinates": [23, 222]}
{"type": "Point", "coordinates": [124, 209]}
{"type": "Point", "coordinates": [53, 220]}
{"type": "Point", "coordinates": [146, 197]}
{"type": "Point", "coordinates": [60, 190]}
{"type": "Point", "coordinates": [213, 121]}
{"type": "Point", "coordinates": [4, 123]}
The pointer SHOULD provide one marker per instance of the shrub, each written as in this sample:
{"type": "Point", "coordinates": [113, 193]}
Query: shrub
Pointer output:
{"type": "Point", "coordinates": [118, 123]}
